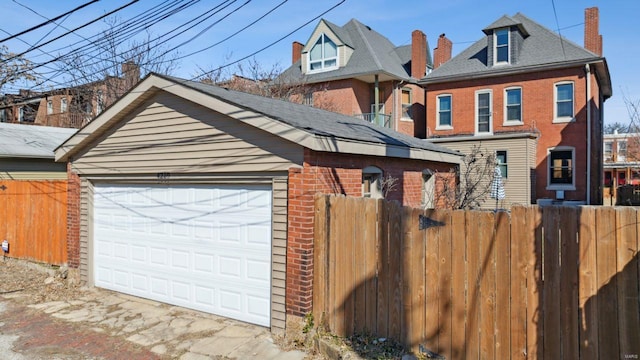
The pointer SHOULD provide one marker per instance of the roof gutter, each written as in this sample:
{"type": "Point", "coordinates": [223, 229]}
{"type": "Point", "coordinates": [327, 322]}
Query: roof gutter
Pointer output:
{"type": "Point", "coordinates": [600, 64]}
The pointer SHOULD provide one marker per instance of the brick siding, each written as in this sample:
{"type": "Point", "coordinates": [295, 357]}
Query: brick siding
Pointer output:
{"type": "Point", "coordinates": [330, 173]}
{"type": "Point", "coordinates": [73, 218]}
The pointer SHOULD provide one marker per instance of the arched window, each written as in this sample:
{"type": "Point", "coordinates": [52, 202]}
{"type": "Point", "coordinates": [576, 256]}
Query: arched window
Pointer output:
{"type": "Point", "coordinates": [323, 55]}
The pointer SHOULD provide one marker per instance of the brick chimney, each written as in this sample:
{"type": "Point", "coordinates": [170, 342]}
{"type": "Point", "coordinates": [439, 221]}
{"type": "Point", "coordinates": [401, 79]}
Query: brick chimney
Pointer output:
{"type": "Point", "coordinates": [442, 53]}
{"type": "Point", "coordinates": [131, 72]}
{"type": "Point", "coordinates": [592, 37]}
{"type": "Point", "coordinates": [296, 51]}
{"type": "Point", "coordinates": [418, 54]}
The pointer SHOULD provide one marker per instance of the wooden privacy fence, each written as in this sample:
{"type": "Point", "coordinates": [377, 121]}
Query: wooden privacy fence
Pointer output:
{"type": "Point", "coordinates": [535, 283]}
{"type": "Point", "coordinates": [34, 219]}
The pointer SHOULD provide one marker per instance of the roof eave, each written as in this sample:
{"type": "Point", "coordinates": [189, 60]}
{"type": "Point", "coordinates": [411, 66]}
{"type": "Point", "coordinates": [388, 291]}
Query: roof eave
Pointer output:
{"type": "Point", "coordinates": [508, 71]}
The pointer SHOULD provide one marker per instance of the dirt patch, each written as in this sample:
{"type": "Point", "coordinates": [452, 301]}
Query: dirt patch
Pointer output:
{"type": "Point", "coordinates": [33, 283]}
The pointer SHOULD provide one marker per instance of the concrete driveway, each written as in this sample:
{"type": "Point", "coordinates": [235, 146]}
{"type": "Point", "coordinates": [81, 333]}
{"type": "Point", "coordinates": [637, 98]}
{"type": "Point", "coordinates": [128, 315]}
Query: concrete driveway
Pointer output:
{"type": "Point", "coordinates": [101, 324]}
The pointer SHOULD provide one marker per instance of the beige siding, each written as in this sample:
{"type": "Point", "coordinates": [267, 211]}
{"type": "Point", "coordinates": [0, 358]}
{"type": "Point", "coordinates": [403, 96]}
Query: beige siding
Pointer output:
{"type": "Point", "coordinates": [86, 231]}
{"type": "Point", "coordinates": [279, 251]}
{"type": "Point", "coordinates": [172, 135]}
{"type": "Point", "coordinates": [32, 169]}
{"type": "Point", "coordinates": [520, 164]}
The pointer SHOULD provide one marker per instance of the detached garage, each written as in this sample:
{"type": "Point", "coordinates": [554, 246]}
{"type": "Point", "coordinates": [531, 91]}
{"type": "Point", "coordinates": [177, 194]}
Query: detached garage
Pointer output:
{"type": "Point", "coordinates": [202, 197]}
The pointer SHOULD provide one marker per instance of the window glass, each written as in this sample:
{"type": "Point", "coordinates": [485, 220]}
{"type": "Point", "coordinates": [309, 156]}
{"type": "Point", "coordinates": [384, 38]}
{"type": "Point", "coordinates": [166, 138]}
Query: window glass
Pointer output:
{"type": "Point", "coordinates": [444, 110]}
{"type": "Point", "coordinates": [501, 157]}
{"type": "Point", "coordinates": [514, 107]}
{"type": "Point", "coordinates": [372, 182]}
{"type": "Point", "coordinates": [502, 45]}
{"type": "Point", "coordinates": [323, 54]}
{"type": "Point", "coordinates": [622, 150]}
{"type": "Point", "coordinates": [49, 107]}
{"type": "Point", "coordinates": [564, 99]}
{"type": "Point", "coordinates": [63, 105]}
{"type": "Point", "coordinates": [406, 103]}
{"type": "Point", "coordinates": [484, 112]}
{"type": "Point", "coordinates": [561, 167]}
{"type": "Point", "coordinates": [608, 150]}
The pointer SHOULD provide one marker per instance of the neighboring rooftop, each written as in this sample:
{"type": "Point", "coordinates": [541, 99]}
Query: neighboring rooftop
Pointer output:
{"type": "Point", "coordinates": [540, 47]}
{"type": "Point", "coordinates": [18, 140]}
{"type": "Point", "coordinates": [372, 54]}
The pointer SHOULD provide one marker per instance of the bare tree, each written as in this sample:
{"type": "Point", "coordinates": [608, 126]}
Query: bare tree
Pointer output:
{"type": "Point", "coordinates": [14, 68]}
{"type": "Point", "coordinates": [474, 182]}
{"type": "Point", "coordinates": [99, 78]}
{"type": "Point", "coordinates": [254, 78]}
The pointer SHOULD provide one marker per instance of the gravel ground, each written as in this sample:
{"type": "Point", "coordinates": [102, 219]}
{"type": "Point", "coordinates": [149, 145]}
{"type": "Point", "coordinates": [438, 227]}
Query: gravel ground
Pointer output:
{"type": "Point", "coordinates": [37, 283]}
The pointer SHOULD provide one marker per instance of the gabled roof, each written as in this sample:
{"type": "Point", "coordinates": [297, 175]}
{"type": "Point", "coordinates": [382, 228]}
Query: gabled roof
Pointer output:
{"type": "Point", "coordinates": [31, 141]}
{"type": "Point", "coordinates": [542, 49]}
{"type": "Point", "coordinates": [310, 127]}
{"type": "Point", "coordinates": [372, 54]}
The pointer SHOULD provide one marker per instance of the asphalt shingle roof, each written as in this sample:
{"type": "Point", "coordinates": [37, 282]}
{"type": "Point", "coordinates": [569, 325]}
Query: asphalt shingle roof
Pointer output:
{"type": "Point", "coordinates": [313, 120]}
{"type": "Point", "coordinates": [372, 53]}
{"type": "Point", "coordinates": [541, 47]}
{"type": "Point", "coordinates": [18, 140]}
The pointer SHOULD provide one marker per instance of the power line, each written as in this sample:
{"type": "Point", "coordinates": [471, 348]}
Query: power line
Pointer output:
{"type": "Point", "coordinates": [48, 21]}
{"type": "Point", "coordinates": [71, 31]}
{"type": "Point", "coordinates": [555, 14]}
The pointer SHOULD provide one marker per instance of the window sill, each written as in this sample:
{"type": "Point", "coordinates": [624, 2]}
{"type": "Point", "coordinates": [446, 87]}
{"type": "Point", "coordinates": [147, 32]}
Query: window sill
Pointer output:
{"type": "Point", "coordinates": [563, 120]}
{"type": "Point", "coordinates": [309, 71]}
{"type": "Point", "coordinates": [561, 187]}
{"type": "Point", "coordinates": [445, 127]}
{"type": "Point", "coordinates": [513, 123]}
{"type": "Point", "coordinates": [406, 119]}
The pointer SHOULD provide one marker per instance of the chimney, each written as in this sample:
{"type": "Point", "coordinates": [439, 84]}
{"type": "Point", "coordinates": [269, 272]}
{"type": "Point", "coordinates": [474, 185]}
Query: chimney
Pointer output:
{"type": "Point", "coordinates": [442, 53]}
{"type": "Point", "coordinates": [418, 54]}
{"type": "Point", "coordinates": [296, 52]}
{"type": "Point", "coordinates": [131, 72]}
{"type": "Point", "coordinates": [592, 37]}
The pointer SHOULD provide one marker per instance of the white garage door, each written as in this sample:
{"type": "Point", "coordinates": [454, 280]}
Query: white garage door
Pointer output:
{"type": "Point", "coordinates": [203, 247]}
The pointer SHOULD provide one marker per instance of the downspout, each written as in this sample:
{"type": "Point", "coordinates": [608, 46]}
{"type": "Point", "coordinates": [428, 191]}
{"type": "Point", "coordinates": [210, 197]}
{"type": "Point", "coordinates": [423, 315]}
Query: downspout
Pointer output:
{"type": "Point", "coordinates": [587, 69]}
{"type": "Point", "coordinates": [376, 95]}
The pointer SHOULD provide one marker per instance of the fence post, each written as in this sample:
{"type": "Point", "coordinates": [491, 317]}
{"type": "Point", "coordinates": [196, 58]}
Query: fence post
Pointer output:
{"type": "Point", "coordinates": [321, 260]}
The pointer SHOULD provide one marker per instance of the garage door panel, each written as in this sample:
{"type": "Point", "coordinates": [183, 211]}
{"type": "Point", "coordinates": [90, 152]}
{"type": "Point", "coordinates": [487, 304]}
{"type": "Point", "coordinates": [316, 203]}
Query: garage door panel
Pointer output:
{"type": "Point", "coordinates": [207, 248]}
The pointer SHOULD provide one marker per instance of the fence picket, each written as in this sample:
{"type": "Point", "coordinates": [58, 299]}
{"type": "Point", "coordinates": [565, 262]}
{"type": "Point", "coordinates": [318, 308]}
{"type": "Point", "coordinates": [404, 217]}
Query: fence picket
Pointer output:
{"type": "Point", "coordinates": [469, 284]}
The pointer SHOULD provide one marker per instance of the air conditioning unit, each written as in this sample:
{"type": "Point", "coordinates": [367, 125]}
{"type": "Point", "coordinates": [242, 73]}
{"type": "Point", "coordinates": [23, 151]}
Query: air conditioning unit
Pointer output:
{"type": "Point", "coordinates": [559, 194]}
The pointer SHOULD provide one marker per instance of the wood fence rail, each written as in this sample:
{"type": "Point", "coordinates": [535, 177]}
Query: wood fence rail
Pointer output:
{"type": "Point", "coordinates": [33, 219]}
{"type": "Point", "coordinates": [532, 283]}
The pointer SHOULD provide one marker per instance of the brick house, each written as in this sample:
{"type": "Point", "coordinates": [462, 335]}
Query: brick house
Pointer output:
{"type": "Point", "coordinates": [71, 107]}
{"type": "Point", "coordinates": [621, 152]}
{"type": "Point", "coordinates": [354, 70]}
{"type": "Point", "coordinates": [203, 197]}
{"type": "Point", "coordinates": [533, 99]}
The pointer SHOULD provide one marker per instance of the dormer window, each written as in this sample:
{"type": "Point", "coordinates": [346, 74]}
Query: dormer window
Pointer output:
{"type": "Point", "coordinates": [323, 55]}
{"type": "Point", "coordinates": [501, 46]}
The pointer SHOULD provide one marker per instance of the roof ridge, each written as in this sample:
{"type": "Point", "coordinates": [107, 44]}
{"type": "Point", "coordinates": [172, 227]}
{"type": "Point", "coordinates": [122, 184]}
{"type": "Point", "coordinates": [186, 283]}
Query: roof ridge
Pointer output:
{"type": "Point", "coordinates": [367, 44]}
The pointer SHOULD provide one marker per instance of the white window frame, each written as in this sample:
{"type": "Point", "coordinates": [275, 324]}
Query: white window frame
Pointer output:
{"type": "Point", "coordinates": [3, 115]}
{"type": "Point", "coordinates": [477, 117]}
{"type": "Point", "coordinates": [99, 102]}
{"type": "Point", "coordinates": [63, 105]}
{"type": "Point", "coordinates": [571, 186]}
{"type": "Point", "coordinates": [495, 47]}
{"type": "Point", "coordinates": [505, 164]}
{"type": "Point", "coordinates": [564, 119]}
{"type": "Point", "coordinates": [373, 174]}
{"type": "Point", "coordinates": [323, 37]}
{"type": "Point", "coordinates": [621, 155]}
{"type": "Point", "coordinates": [428, 189]}
{"type": "Point", "coordinates": [506, 121]}
{"type": "Point", "coordinates": [439, 126]}
{"type": "Point", "coordinates": [21, 114]}
{"type": "Point", "coordinates": [608, 143]}
{"type": "Point", "coordinates": [49, 107]}
{"type": "Point", "coordinates": [404, 105]}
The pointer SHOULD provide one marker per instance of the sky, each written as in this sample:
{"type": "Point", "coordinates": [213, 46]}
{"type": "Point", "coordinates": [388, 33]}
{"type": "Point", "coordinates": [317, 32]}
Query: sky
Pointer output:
{"type": "Point", "coordinates": [461, 20]}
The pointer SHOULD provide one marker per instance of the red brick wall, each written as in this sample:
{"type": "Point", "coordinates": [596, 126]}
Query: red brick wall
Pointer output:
{"type": "Point", "coordinates": [537, 111]}
{"type": "Point", "coordinates": [330, 173]}
{"type": "Point", "coordinates": [73, 218]}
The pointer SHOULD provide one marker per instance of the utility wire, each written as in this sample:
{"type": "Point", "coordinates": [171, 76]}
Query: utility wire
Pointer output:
{"type": "Point", "coordinates": [555, 14]}
{"type": "Point", "coordinates": [48, 21]}
{"type": "Point", "coordinates": [72, 31]}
